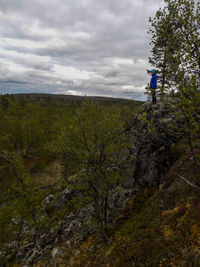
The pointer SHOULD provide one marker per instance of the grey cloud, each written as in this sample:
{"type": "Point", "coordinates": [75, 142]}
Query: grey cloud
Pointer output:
{"type": "Point", "coordinates": [112, 74]}
{"type": "Point", "coordinates": [90, 37]}
{"type": "Point", "coordinates": [12, 81]}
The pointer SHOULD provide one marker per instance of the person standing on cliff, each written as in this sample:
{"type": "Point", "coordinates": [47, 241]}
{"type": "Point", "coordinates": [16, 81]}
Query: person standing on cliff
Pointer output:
{"type": "Point", "coordinates": [153, 86]}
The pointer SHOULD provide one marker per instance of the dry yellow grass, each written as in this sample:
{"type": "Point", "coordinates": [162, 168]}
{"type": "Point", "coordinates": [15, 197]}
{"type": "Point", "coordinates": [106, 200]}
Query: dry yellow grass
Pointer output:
{"type": "Point", "coordinates": [49, 175]}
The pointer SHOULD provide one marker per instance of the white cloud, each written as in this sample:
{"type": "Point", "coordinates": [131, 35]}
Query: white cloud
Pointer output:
{"type": "Point", "coordinates": [71, 73]}
{"type": "Point", "coordinates": [73, 92]}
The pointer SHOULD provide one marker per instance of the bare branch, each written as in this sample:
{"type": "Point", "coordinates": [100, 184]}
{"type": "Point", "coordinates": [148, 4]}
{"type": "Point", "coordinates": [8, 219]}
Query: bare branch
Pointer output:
{"type": "Point", "coordinates": [188, 182]}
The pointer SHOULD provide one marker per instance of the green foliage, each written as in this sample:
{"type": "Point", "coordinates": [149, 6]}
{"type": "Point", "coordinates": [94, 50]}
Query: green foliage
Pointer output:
{"type": "Point", "coordinates": [22, 190]}
{"type": "Point", "coordinates": [90, 148]}
{"type": "Point", "coordinates": [32, 123]}
{"type": "Point", "coordinates": [148, 123]}
{"type": "Point", "coordinates": [37, 129]}
{"type": "Point", "coordinates": [4, 103]}
{"type": "Point", "coordinates": [163, 43]}
{"type": "Point", "coordinates": [6, 225]}
{"type": "Point", "coordinates": [188, 108]}
{"type": "Point", "coordinates": [24, 207]}
{"type": "Point", "coordinates": [175, 33]}
{"type": "Point", "coordinates": [27, 128]}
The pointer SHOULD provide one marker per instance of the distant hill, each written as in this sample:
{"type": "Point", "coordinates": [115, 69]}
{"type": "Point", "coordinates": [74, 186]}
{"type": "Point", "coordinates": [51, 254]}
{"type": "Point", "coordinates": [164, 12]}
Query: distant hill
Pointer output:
{"type": "Point", "coordinates": [74, 98]}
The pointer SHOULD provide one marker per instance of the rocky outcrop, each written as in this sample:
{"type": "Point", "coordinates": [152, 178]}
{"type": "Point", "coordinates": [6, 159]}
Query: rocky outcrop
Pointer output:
{"type": "Point", "coordinates": [75, 228]}
{"type": "Point", "coordinates": [153, 131]}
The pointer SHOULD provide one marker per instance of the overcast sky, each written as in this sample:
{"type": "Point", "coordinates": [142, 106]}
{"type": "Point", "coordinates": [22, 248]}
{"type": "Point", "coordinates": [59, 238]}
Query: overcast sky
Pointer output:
{"type": "Point", "coordinates": [92, 47]}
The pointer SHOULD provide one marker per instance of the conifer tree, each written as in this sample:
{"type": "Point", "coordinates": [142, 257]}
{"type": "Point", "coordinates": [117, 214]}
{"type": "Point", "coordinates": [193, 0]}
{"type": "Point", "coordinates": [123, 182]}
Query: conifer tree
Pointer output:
{"type": "Point", "coordinates": [176, 43]}
{"type": "Point", "coordinates": [176, 55]}
{"type": "Point", "coordinates": [163, 48]}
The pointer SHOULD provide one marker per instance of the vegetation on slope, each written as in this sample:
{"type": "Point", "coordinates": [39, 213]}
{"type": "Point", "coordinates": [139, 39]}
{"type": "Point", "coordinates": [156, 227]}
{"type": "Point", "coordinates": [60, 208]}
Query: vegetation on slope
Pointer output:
{"type": "Point", "coordinates": [160, 228]}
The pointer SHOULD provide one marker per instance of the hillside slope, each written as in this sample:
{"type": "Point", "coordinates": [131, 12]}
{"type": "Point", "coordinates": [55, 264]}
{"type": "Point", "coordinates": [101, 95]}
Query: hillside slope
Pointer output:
{"type": "Point", "coordinates": [161, 227]}
{"type": "Point", "coordinates": [156, 220]}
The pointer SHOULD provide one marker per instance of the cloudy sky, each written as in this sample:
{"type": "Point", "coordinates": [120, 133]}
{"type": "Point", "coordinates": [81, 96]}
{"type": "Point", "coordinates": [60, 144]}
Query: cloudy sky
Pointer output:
{"type": "Point", "coordinates": [92, 47]}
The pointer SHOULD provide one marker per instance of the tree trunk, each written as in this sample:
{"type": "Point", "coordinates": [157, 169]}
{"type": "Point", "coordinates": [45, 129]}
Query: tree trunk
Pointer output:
{"type": "Point", "coordinates": [163, 77]}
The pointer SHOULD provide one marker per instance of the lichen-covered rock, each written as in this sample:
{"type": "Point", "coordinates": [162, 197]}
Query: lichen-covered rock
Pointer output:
{"type": "Point", "coordinates": [153, 131]}
{"type": "Point", "coordinates": [56, 252]}
{"type": "Point", "coordinates": [47, 200]}
{"type": "Point", "coordinates": [65, 196]}
{"type": "Point", "coordinates": [73, 230]}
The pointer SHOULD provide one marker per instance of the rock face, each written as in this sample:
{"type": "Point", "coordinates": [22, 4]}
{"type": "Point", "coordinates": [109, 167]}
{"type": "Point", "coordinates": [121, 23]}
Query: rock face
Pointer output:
{"type": "Point", "coordinates": [152, 132]}
{"type": "Point", "coordinates": [47, 201]}
{"type": "Point", "coordinates": [73, 230]}
{"type": "Point", "coordinates": [65, 196]}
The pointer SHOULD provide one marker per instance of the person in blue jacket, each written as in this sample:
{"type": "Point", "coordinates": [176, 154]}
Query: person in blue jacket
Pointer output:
{"type": "Point", "coordinates": [153, 86]}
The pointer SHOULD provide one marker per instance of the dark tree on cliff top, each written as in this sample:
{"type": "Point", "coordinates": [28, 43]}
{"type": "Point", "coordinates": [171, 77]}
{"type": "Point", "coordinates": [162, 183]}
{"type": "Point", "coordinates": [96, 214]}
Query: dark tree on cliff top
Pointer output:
{"type": "Point", "coordinates": [176, 43]}
{"type": "Point", "coordinates": [163, 48]}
